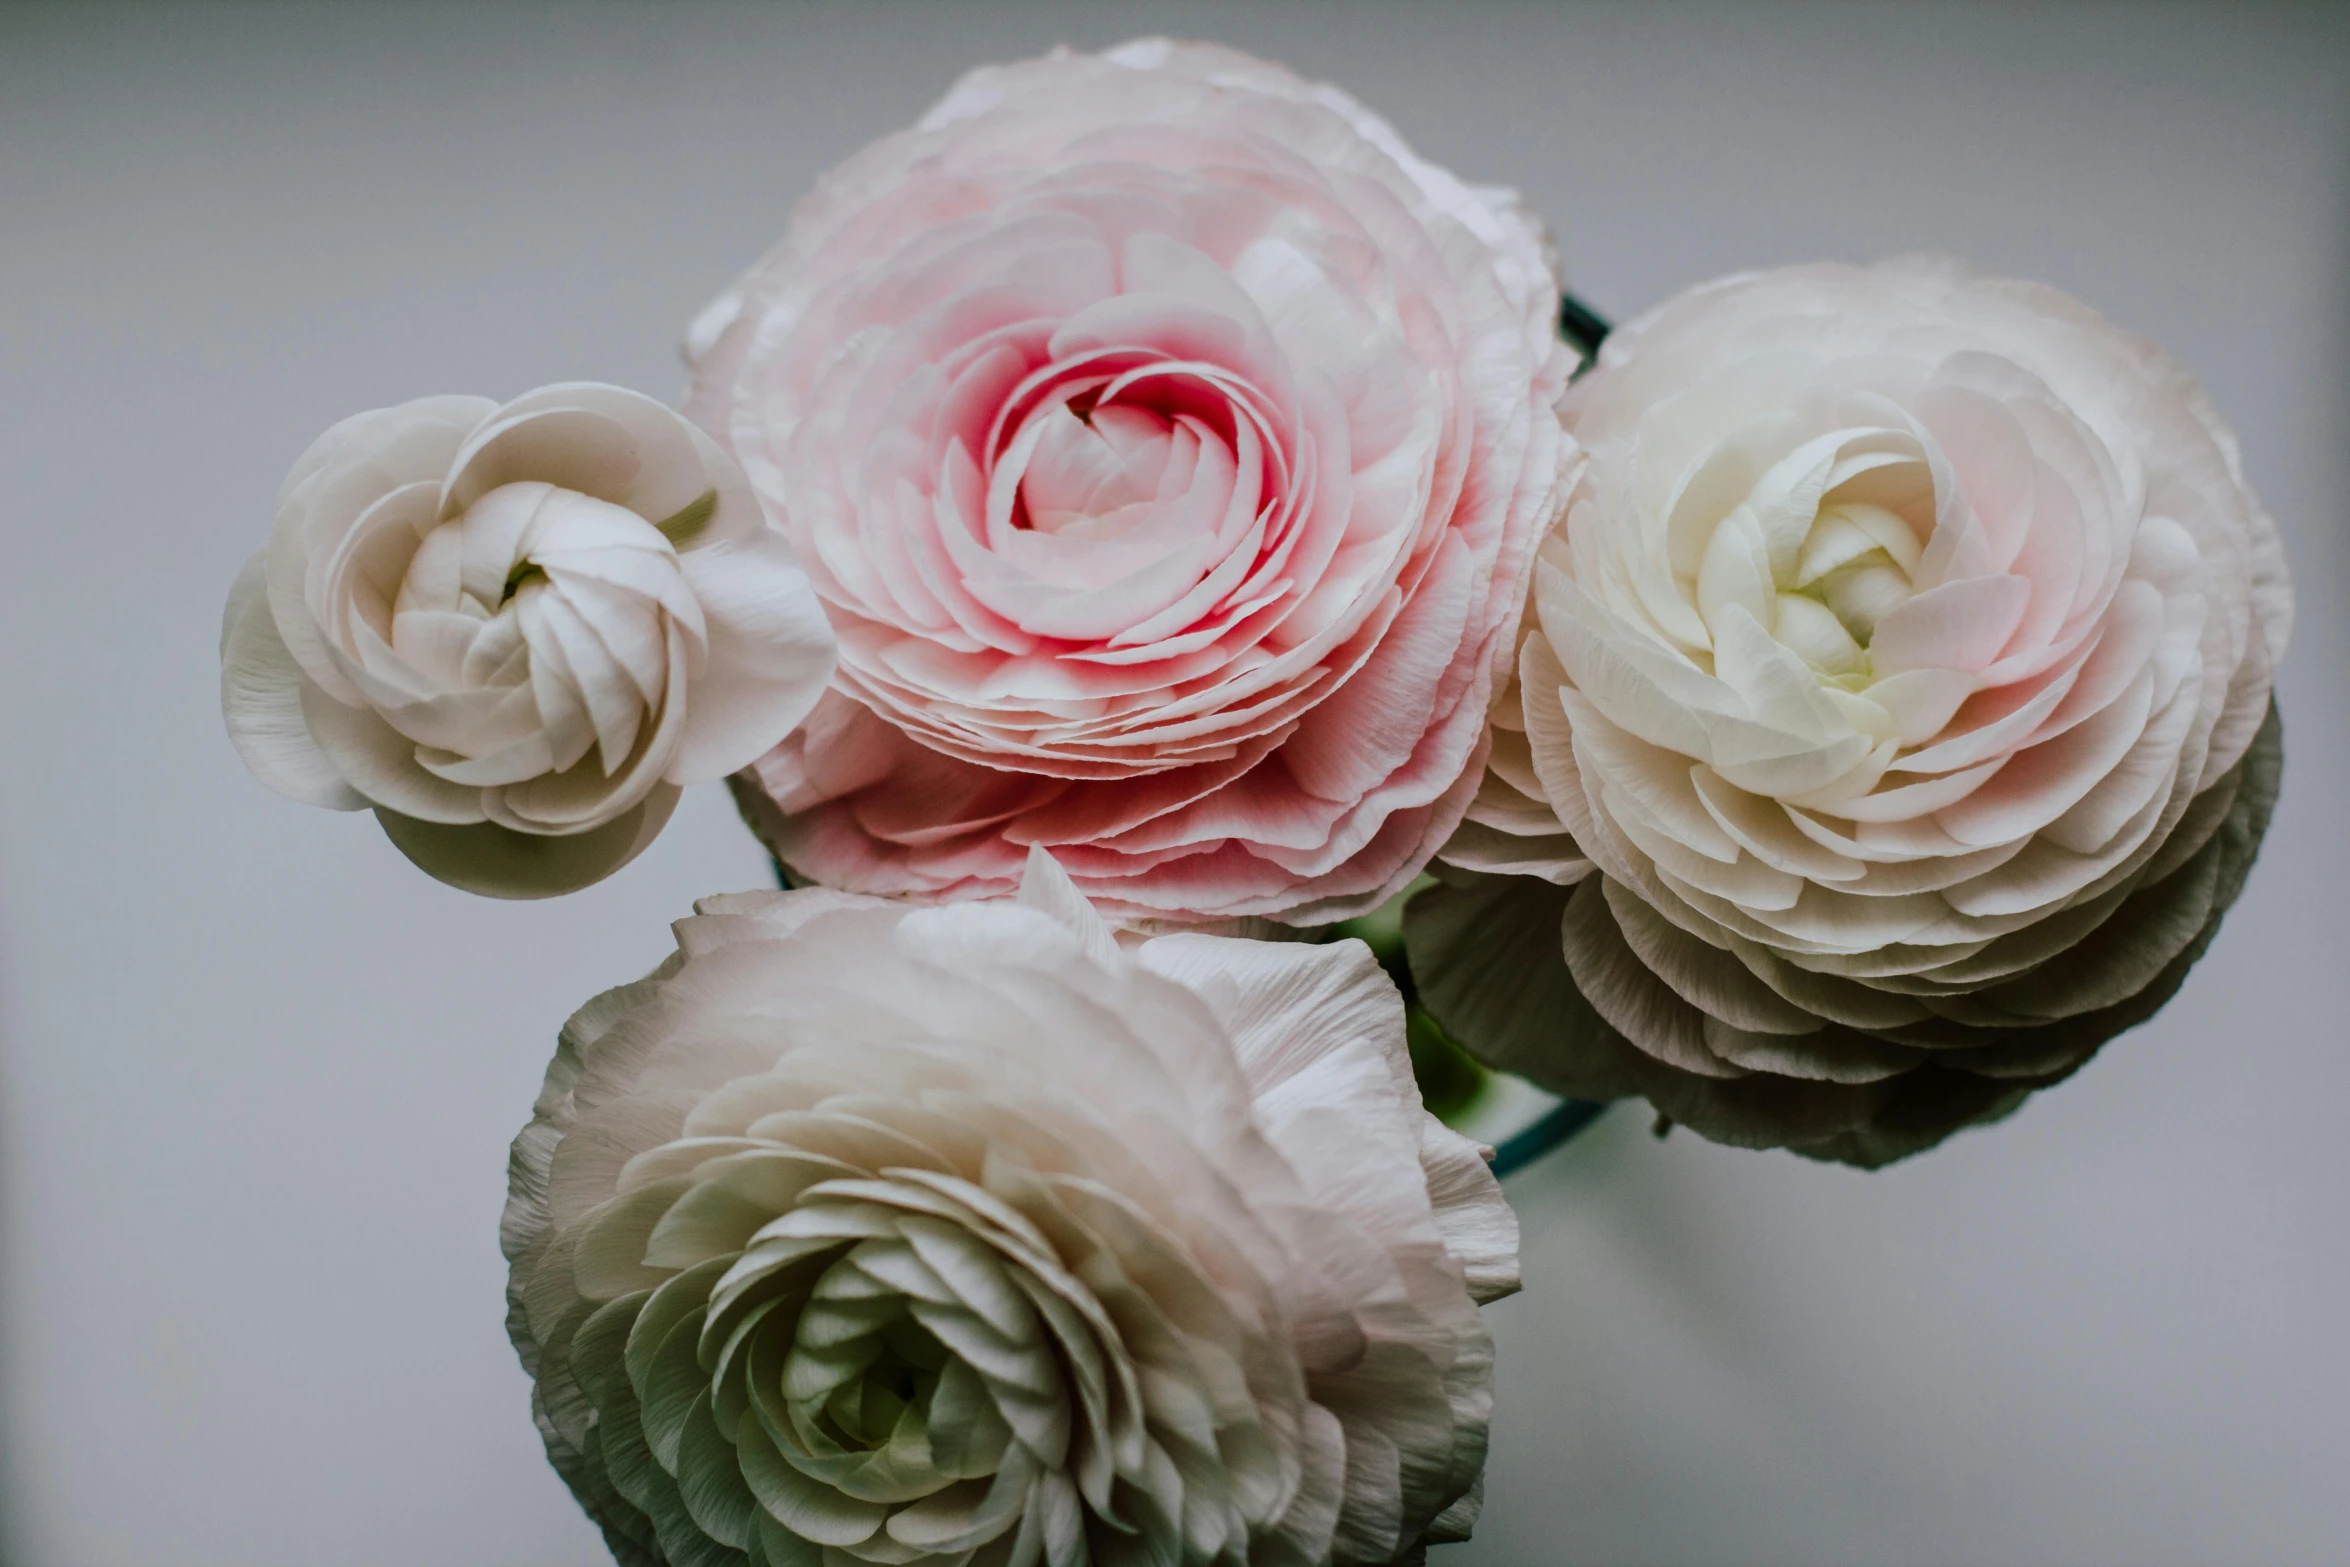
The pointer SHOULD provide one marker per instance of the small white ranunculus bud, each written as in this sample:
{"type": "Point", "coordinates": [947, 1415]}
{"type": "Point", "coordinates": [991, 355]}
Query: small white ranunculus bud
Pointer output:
{"type": "Point", "coordinates": [516, 631]}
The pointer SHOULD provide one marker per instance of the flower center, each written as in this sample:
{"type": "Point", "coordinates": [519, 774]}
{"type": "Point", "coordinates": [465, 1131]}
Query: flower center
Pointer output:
{"type": "Point", "coordinates": [1858, 562]}
{"type": "Point", "coordinates": [542, 620]}
{"type": "Point", "coordinates": [1820, 549]}
{"type": "Point", "coordinates": [1097, 469]}
{"type": "Point", "coordinates": [864, 1408]}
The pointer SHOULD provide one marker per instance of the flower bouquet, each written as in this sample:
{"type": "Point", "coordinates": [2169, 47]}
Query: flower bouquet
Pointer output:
{"type": "Point", "coordinates": [1233, 664]}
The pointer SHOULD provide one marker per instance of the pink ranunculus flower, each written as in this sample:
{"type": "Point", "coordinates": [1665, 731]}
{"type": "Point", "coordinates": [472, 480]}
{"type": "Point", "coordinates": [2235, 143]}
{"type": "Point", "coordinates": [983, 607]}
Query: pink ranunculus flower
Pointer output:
{"type": "Point", "coordinates": [1906, 629]}
{"type": "Point", "coordinates": [1167, 442]}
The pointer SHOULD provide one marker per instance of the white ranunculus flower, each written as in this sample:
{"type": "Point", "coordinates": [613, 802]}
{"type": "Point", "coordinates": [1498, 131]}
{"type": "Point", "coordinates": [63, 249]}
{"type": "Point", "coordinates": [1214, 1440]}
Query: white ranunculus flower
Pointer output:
{"type": "Point", "coordinates": [862, 1233]}
{"type": "Point", "coordinates": [516, 631]}
{"type": "Point", "coordinates": [1899, 620]}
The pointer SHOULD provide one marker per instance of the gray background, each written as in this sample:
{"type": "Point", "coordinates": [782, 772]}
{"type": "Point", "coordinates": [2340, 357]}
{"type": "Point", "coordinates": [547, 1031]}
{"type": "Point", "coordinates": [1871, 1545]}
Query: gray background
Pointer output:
{"type": "Point", "coordinates": [259, 1075]}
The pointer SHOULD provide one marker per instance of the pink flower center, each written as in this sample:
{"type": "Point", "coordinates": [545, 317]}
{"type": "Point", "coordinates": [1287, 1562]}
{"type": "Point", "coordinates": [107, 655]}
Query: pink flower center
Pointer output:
{"type": "Point", "coordinates": [1096, 472]}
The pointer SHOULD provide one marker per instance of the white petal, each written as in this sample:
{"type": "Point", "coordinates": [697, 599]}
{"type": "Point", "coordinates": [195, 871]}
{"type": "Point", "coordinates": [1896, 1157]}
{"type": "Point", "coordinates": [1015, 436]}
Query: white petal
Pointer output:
{"type": "Point", "coordinates": [261, 697]}
{"type": "Point", "coordinates": [1046, 888]}
{"type": "Point", "coordinates": [770, 653]}
{"type": "Point", "coordinates": [381, 764]}
{"type": "Point", "coordinates": [1478, 1225]}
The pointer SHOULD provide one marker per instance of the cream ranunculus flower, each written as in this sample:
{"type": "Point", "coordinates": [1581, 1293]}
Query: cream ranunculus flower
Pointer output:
{"type": "Point", "coordinates": [1905, 624]}
{"type": "Point", "coordinates": [516, 631]}
{"type": "Point", "coordinates": [863, 1233]}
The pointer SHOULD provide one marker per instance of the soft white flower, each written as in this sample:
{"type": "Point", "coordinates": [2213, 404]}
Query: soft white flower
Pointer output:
{"type": "Point", "coordinates": [516, 631]}
{"type": "Point", "coordinates": [860, 1233]}
{"type": "Point", "coordinates": [1902, 624]}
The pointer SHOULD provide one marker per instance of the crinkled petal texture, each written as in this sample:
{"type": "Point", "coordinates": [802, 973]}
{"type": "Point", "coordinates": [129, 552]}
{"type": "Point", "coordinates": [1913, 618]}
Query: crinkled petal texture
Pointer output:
{"type": "Point", "coordinates": [1498, 976]}
{"type": "Point", "coordinates": [864, 1233]}
{"type": "Point", "coordinates": [1168, 444]}
{"type": "Point", "coordinates": [1905, 625]}
{"type": "Point", "coordinates": [516, 631]}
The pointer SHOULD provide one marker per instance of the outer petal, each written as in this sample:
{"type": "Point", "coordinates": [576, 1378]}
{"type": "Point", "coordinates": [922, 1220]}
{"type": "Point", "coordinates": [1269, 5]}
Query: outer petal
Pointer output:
{"type": "Point", "coordinates": [497, 862]}
{"type": "Point", "coordinates": [344, 471]}
{"type": "Point", "coordinates": [771, 654]}
{"type": "Point", "coordinates": [1320, 1031]}
{"type": "Point", "coordinates": [381, 763]}
{"type": "Point", "coordinates": [1492, 969]}
{"type": "Point", "coordinates": [261, 697]}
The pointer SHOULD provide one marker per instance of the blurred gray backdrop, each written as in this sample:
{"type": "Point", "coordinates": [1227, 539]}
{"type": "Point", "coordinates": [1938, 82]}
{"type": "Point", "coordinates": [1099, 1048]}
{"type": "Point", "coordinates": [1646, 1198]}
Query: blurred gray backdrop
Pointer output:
{"type": "Point", "coordinates": [257, 1076]}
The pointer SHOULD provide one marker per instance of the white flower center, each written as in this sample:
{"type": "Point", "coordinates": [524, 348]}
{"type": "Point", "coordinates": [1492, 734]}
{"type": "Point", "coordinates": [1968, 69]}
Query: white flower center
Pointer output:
{"type": "Point", "coordinates": [1817, 550]}
{"type": "Point", "coordinates": [542, 619]}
